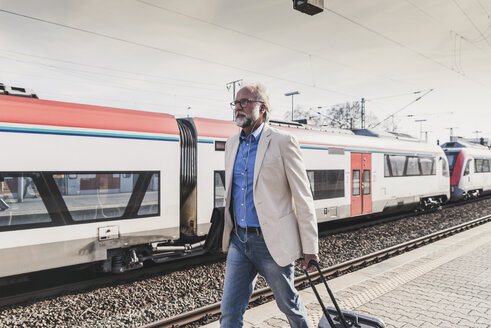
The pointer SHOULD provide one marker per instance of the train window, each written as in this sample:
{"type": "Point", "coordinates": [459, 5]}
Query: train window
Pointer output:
{"type": "Point", "coordinates": [96, 196]}
{"type": "Point", "coordinates": [445, 172]}
{"type": "Point", "coordinates": [486, 167]}
{"type": "Point", "coordinates": [478, 165]}
{"type": "Point", "coordinates": [326, 184]}
{"type": "Point", "coordinates": [356, 182]}
{"type": "Point", "coordinates": [219, 178]}
{"type": "Point", "coordinates": [467, 167]}
{"type": "Point", "coordinates": [451, 157]}
{"type": "Point", "coordinates": [20, 201]}
{"type": "Point", "coordinates": [151, 203]}
{"type": "Point", "coordinates": [387, 170]}
{"type": "Point", "coordinates": [112, 195]}
{"type": "Point", "coordinates": [366, 182]}
{"type": "Point", "coordinates": [397, 163]}
{"type": "Point", "coordinates": [482, 165]}
{"type": "Point", "coordinates": [412, 166]}
{"type": "Point", "coordinates": [219, 145]}
{"type": "Point", "coordinates": [427, 165]}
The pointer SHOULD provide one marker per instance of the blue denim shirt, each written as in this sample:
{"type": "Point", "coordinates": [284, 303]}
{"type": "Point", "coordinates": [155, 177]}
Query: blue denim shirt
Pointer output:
{"type": "Point", "coordinates": [243, 179]}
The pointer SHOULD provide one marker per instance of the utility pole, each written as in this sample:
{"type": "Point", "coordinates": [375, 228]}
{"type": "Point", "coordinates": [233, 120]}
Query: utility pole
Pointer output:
{"type": "Point", "coordinates": [292, 94]}
{"type": "Point", "coordinates": [232, 84]}
{"type": "Point", "coordinates": [420, 128]}
{"type": "Point", "coordinates": [477, 135]}
{"type": "Point", "coordinates": [362, 113]}
{"type": "Point", "coordinates": [426, 135]}
{"type": "Point", "coordinates": [451, 131]}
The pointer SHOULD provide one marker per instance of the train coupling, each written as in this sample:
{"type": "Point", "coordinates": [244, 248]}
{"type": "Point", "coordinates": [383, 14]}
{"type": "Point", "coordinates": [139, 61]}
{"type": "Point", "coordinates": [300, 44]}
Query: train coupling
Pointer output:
{"type": "Point", "coordinates": [168, 252]}
{"type": "Point", "coordinates": [158, 247]}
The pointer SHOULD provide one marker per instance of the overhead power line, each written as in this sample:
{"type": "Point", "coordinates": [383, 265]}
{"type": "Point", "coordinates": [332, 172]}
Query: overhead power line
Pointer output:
{"type": "Point", "coordinates": [99, 74]}
{"type": "Point", "coordinates": [271, 42]}
{"type": "Point", "coordinates": [472, 22]}
{"type": "Point", "coordinates": [439, 22]}
{"type": "Point", "coordinates": [398, 95]}
{"type": "Point", "coordinates": [400, 110]}
{"type": "Point", "coordinates": [115, 85]}
{"type": "Point", "coordinates": [171, 52]}
{"type": "Point", "coordinates": [400, 44]}
{"type": "Point", "coordinates": [110, 69]}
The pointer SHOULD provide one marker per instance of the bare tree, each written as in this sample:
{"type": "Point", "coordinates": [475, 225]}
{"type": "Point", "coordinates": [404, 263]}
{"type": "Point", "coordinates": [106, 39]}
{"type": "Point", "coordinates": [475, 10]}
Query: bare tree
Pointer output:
{"type": "Point", "coordinates": [342, 116]}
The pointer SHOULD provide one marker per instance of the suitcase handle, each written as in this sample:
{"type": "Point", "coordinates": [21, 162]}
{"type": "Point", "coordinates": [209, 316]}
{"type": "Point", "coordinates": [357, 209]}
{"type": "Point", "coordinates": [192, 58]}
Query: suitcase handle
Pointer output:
{"type": "Point", "coordinates": [331, 295]}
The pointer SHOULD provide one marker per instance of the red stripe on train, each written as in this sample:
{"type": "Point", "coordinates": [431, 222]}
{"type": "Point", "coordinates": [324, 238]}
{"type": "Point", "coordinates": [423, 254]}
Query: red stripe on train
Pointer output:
{"type": "Point", "coordinates": [55, 113]}
{"type": "Point", "coordinates": [457, 169]}
{"type": "Point", "coordinates": [206, 127]}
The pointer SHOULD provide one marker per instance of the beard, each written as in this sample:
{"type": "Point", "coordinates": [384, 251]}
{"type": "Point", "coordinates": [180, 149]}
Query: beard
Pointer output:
{"type": "Point", "coordinates": [247, 119]}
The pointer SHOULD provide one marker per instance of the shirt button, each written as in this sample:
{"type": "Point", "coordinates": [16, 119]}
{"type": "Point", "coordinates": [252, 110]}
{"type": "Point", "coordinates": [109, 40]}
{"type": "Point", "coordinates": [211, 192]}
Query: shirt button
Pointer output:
{"type": "Point", "coordinates": [247, 144]}
{"type": "Point", "coordinates": [242, 173]}
{"type": "Point", "coordinates": [242, 188]}
{"type": "Point", "coordinates": [242, 204]}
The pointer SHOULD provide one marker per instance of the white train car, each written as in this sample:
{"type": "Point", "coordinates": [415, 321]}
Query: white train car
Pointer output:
{"type": "Point", "coordinates": [353, 175]}
{"type": "Point", "coordinates": [470, 167]}
{"type": "Point", "coordinates": [82, 184]}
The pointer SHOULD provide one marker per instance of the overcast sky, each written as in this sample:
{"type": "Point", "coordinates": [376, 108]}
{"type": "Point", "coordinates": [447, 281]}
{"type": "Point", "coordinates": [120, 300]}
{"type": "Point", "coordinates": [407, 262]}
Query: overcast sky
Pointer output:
{"type": "Point", "coordinates": [176, 56]}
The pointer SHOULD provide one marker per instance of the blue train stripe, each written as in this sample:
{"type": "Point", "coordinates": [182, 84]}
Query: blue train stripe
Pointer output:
{"type": "Point", "coordinates": [205, 141]}
{"type": "Point", "coordinates": [360, 150]}
{"type": "Point", "coordinates": [85, 134]}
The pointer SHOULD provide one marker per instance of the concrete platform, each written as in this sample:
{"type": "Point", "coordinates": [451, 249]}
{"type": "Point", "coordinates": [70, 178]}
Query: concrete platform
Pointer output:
{"type": "Point", "coordinates": [445, 284]}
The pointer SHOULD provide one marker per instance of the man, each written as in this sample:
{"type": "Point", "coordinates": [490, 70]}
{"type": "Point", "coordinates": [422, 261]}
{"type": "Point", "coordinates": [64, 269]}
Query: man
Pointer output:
{"type": "Point", "coordinates": [269, 212]}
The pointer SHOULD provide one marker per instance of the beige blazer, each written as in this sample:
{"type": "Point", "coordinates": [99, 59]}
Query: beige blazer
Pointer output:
{"type": "Point", "coordinates": [282, 196]}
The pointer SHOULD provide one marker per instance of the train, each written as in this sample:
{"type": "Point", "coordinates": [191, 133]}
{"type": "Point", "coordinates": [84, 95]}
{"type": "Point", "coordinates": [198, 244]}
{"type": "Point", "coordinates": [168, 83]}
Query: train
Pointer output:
{"type": "Point", "coordinates": [113, 188]}
{"type": "Point", "coordinates": [470, 169]}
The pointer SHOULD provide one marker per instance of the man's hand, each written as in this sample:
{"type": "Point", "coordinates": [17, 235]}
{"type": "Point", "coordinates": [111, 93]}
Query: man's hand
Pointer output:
{"type": "Point", "coordinates": [306, 259]}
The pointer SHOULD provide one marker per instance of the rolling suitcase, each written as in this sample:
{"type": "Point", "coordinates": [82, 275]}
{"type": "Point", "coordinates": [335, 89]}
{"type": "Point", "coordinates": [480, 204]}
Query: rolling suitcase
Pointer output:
{"type": "Point", "coordinates": [334, 317]}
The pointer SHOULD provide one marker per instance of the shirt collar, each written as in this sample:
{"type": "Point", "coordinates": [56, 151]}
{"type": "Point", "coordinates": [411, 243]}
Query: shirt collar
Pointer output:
{"type": "Point", "coordinates": [256, 133]}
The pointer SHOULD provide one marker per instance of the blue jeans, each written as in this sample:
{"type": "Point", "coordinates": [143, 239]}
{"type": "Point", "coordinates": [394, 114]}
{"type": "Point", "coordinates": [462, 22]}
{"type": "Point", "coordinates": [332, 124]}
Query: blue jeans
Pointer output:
{"type": "Point", "coordinates": [244, 262]}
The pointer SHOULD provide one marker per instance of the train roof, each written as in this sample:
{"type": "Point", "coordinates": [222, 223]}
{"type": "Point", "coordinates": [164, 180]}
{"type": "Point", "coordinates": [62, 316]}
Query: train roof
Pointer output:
{"type": "Point", "coordinates": [318, 139]}
{"type": "Point", "coordinates": [463, 144]}
{"type": "Point", "coordinates": [207, 127]}
{"type": "Point", "coordinates": [469, 148]}
{"type": "Point", "coordinates": [321, 138]}
{"type": "Point", "coordinates": [62, 114]}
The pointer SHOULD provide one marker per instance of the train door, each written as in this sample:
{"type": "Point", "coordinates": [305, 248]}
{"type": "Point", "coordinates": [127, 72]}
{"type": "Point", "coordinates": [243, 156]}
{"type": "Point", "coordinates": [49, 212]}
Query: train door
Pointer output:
{"type": "Point", "coordinates": [467, 175]}
{"type": "Point", "coordinates": [361, 183]}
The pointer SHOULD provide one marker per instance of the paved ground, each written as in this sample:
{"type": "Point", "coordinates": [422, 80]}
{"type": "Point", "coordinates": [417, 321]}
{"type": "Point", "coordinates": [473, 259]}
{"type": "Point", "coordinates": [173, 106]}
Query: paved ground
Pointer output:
{"type": "Point", "coordinates": [445, 284]}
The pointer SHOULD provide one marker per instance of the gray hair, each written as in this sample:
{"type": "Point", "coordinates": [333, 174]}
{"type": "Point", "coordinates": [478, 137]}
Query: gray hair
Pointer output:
{"type": "Point", "coordinates": [261, 94]}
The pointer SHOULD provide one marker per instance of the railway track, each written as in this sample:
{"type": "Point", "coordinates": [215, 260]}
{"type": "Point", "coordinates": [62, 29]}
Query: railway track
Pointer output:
{"type": "Point", "coordinates": [213, 310]}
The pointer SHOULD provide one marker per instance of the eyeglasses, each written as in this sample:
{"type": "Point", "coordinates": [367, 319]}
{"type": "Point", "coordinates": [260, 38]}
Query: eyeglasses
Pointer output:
{"type": "Point", "coordinates": [243, 103]}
